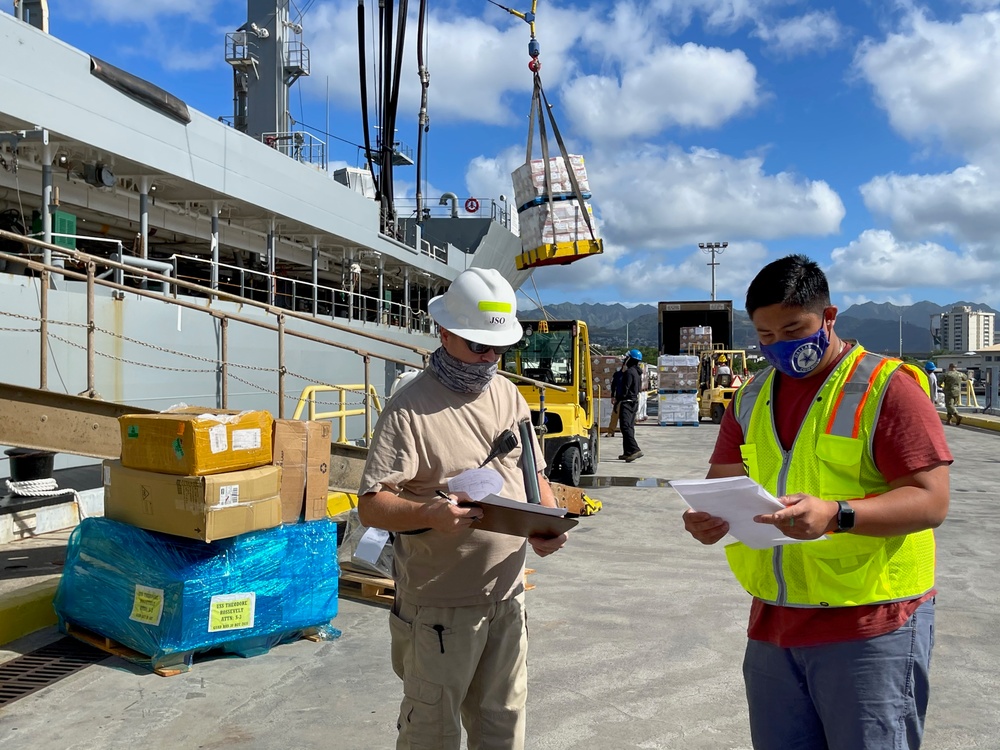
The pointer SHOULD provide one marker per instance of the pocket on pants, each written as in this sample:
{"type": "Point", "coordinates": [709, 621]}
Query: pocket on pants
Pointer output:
{"type": "Point", "coordinates": [400, 636]}
{"type": "Point", "coordinates": [422, 714]}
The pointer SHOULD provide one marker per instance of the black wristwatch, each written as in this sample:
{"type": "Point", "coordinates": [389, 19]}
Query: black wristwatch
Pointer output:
{"type": "Point", "coordinates": [845, 516]}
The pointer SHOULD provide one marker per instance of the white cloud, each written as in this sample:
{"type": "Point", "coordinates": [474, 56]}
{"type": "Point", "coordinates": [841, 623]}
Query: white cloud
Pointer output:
{"type": "Point", "coordinates": [689, 86]}
{"type": "Point", "coordinates": [964, 204]}
{"type": "Point", "coordinates": [878, 261]}
{"type": "Point", "coordinates": [650, 276]}
{"type": "Point", "coordinates": [667, 198]}
{"type": "Point", "coordinates": [939, 80]}
{"type": "Point", "coordinates": [478, 72]}
{"type": "Point", "coordinates": [814, 31]}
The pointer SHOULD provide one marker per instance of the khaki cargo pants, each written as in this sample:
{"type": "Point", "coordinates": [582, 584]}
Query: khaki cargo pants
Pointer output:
{"type": "Point", "coordinates": [461, 666]}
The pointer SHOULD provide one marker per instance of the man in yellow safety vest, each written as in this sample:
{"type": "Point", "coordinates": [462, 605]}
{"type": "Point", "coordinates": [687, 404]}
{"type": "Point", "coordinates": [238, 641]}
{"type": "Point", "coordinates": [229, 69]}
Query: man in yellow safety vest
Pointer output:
{"type": "Point", "coordinates": [840, 632]}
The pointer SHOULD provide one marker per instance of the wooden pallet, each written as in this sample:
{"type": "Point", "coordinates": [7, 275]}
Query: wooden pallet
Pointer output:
{"type": "Point", "coordinates": [367, 588]}
{"type": "Point", "coordinates": [169, 666]}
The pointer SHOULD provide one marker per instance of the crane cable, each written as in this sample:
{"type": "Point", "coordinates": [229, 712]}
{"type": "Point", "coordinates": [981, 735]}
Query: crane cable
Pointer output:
{"type": "Point", "coordinates": [539, 108]}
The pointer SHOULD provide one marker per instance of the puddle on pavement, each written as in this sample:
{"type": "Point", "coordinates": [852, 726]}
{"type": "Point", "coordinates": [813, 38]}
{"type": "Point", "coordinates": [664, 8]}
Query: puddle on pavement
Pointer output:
{"type": "Point", "coordinates": [595, 481]}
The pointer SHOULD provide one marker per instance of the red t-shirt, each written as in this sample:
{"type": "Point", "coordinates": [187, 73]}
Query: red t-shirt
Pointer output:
{"type": "Point", "coordinates": [909, 437]}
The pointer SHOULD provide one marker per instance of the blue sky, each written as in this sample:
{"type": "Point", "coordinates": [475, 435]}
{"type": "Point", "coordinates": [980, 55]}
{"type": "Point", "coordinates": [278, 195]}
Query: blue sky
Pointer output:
{"type": "Point", "coordinates": [865, 134]}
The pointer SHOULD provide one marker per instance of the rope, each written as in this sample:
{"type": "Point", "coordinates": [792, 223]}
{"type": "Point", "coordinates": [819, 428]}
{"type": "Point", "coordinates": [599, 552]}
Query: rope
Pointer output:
{"type": "Point", "coordinates": [44, 488]}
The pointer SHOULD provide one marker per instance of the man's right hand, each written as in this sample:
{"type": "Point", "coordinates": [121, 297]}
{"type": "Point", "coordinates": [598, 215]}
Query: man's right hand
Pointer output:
{"type": "Point", "coordinates": [449, 517]}
{"type": "Point", "coordinates": [707, 529]}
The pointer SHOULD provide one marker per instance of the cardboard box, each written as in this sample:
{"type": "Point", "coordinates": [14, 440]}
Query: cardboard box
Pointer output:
{"type": "Point", "coordinates": [302, 450]}
{"type": "Point", "coordinates": [195, 441]}
{"type": "Point", "coordinates": [205, 508]}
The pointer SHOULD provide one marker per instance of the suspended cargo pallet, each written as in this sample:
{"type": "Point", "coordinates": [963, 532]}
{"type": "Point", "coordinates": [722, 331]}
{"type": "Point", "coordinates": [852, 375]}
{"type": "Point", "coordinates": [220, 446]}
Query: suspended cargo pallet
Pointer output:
{"type": "Point", "coordinates": [551, 195]}
{"type": "Point", "coordinates": [558, 253]}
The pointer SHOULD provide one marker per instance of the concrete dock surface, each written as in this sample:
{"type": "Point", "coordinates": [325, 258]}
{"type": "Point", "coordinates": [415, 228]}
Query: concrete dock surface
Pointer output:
{"type": "Point", "coordinates": [636, 632]}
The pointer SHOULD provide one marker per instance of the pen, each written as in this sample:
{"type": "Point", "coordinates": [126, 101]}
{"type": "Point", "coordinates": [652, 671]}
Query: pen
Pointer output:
{"type": "Point", "coordinates": [443, 495]}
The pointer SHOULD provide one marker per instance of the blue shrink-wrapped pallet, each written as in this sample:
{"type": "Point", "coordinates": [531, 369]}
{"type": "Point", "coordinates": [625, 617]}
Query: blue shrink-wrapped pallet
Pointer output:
{"type": "Point", "coordinates": [168, 597]}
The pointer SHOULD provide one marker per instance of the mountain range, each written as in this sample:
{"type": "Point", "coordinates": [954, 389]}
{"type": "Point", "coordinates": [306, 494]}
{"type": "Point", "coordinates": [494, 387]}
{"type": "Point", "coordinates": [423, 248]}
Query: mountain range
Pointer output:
{"type": "Point", "coordinates": [879, 326]}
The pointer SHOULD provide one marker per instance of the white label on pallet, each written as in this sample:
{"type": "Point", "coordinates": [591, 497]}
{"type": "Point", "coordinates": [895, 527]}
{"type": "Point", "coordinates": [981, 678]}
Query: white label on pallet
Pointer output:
{"type": "Point", "coordinates": [217, 440]}
{"type": "Point", "coordinates": [231, 612]}
{"type": "Point", "coordinates": [245, 440]}
{"type": "Point", "coordinates": [147, 606]}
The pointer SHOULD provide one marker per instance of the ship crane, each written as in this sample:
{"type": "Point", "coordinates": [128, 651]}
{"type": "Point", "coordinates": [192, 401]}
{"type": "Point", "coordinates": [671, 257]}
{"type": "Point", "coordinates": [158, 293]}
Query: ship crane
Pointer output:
{"type": "Point", "coordinates": [556, 223]}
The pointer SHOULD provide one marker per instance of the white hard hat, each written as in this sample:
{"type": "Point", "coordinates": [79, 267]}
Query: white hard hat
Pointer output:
{"type": "Point", "coordinates": [479, 306]}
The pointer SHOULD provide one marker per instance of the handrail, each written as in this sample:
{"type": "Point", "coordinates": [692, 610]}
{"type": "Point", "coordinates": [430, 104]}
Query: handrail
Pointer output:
{"type": "Point", "coordinates": [222, 363]}
{"type": "Point", "coordinates": [207, 291]}
{"type": "Point", "coordinates": [308, 399]}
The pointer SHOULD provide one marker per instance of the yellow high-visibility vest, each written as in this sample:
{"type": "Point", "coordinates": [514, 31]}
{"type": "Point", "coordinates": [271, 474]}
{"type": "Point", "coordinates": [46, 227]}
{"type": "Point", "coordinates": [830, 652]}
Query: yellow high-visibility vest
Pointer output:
{"type": "Point", "coordinates": [832, 459]}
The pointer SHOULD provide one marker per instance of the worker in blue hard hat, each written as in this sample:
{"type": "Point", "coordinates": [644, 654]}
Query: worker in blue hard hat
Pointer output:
{"type": "Point", "coordinates": [631, 384]}
{"type": "Point", "coordinates": [932, 380]}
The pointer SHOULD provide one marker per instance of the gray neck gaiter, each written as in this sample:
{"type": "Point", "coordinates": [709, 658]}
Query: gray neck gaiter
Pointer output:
{"type": "Point", "coordinates": [459, 376]}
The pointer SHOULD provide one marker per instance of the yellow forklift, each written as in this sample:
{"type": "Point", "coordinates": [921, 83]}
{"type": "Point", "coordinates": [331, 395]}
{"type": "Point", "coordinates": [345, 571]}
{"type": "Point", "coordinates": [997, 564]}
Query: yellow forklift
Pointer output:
{"type": "Point", "coordinates": [720, 373]}
{"type": "Point", "coordinates": [557, 352]}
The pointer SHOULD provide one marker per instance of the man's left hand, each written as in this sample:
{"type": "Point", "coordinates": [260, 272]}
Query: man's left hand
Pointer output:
{"type": "Point", "coordinates": [545, 546]}
{"type": "Point", "coordinates": [804, 517]}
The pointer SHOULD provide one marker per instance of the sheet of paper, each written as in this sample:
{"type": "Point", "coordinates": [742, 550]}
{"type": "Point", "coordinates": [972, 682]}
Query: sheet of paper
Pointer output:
{"type": "Point", "coordinates": [477, 483]}
{"type": "Point", "coordinates": [371, 544]}
{"type": "Point", "coordinates": [737, 500]}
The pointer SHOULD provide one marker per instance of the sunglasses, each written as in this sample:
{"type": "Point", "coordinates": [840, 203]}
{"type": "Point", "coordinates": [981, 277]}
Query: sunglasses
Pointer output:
{"type": "Point", "coordinates": [483, 348]}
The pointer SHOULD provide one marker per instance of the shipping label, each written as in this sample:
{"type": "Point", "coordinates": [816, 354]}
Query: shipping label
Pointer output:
{"type": "Point", "coordinates": [231, 612]}
{"type": "Point", "coordinates": [217, 439]}
{"type": "Point", "coordinates": [229, 494]}
{"type": "Point", "coordinates": [245, 440]}
{"type": "Point", "coordinates": [147, 606]}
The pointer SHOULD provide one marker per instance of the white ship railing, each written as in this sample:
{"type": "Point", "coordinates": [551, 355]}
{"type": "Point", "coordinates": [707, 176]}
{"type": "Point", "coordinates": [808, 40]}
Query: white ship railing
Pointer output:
{"type": "Point", "coordinates": [222, 364]}
{"type": "Point", "coordinates": [304, 296]}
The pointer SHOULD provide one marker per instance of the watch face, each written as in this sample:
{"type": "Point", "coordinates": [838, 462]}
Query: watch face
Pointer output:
{"type": "Point", "coordinates": [845, 516]}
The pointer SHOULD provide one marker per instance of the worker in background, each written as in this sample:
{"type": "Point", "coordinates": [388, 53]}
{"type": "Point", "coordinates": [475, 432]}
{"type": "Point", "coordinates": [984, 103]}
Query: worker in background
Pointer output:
{"type": "Point", "coordinates": [458, 627]}
{"type": "Point", "coordinates": [723, 373]}
{"type": "Point", "coordinates": [932, 381]}
{"type": "Point", "coordinates": [841, 630]}
{"type": "Point", "coordinates": [631, 385]}
{"type": "Point", "coordinates": [953, 382]}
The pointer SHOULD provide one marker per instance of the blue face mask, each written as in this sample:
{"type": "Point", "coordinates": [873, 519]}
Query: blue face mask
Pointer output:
{"type": "Point", "coordinates": [797, 358]}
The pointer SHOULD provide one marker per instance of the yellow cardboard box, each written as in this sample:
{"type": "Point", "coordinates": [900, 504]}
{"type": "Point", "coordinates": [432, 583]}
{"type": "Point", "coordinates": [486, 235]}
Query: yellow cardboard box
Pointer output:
{"type": "Point", "coordinates": [195, 441]}
{"type": "Point", "coordinates": [206, 508]}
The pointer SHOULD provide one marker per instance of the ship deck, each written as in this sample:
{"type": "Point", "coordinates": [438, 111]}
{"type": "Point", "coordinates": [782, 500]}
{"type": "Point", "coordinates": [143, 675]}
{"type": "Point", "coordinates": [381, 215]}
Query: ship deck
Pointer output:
{"type": "Point", "coordinates": [637, 635]}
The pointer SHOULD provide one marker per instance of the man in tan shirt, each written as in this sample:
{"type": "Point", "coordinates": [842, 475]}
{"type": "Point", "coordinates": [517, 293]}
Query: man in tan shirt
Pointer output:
{"type": "Point", "coordinates": [459, 640]}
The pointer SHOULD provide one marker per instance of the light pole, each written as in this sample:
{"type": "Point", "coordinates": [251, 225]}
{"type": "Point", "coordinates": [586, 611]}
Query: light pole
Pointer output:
{"type": "Point", "coordinates": [715, 248]}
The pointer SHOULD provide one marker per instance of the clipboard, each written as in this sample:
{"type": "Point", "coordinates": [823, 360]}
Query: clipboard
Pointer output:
{"type": "Point", "coordinates": [505, 516]}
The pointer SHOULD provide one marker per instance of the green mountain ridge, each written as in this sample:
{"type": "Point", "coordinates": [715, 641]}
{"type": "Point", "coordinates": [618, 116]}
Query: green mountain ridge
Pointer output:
{"type": "Point", "coordinates": [879, 326]}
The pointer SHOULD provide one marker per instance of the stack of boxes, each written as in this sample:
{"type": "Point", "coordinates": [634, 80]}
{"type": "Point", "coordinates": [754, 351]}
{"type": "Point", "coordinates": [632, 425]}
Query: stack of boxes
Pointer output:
{"type": "Point", "coordinates": [543, 221]}
{"type": "Point", "coordinates": [602, 369]}
{"type": "Point", "coordinates": [192, 553]}
{"type": "Point", "coordinates": [678, 388]}
{"type": "Point", "coordinates": [695, 338]}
